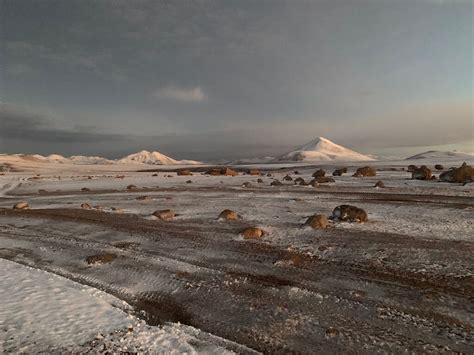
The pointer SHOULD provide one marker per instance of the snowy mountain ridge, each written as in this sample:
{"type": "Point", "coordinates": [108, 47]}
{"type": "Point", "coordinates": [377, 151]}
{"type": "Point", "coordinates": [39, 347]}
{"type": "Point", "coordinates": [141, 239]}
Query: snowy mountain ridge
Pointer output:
{"type": "Point", "coordinates": [322, 149]}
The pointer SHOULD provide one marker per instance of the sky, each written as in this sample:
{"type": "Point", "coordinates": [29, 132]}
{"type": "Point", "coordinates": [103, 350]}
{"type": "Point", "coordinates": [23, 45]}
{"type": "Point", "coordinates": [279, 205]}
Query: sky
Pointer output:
{"type": "Point", "coordinates": [202, 79]}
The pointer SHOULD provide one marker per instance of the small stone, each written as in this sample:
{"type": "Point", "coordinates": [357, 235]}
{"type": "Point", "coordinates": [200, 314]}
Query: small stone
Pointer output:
{"type": "Point", "coordinates": [379, 184]}
{"type": "Point", "coordinates": [100, 258]}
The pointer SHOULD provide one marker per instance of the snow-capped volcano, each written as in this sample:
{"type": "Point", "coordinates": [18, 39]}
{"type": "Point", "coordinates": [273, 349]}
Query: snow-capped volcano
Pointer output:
{"type": "Point", "coordinates": [322, 149]}
{"type": "Point", "coordinates": [153, 158]}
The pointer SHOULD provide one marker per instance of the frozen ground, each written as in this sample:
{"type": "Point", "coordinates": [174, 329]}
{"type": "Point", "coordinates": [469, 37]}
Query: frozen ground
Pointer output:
{"type": "Point", "coordinates": [43, 312]}
{"type": "Point", "coordinates": [403, 282]}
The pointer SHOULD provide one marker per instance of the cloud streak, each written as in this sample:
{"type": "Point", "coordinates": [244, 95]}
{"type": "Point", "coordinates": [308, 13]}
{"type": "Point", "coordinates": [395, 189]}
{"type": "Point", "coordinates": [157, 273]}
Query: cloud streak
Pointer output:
{"type": "Point", "coordinates": [193, 95]}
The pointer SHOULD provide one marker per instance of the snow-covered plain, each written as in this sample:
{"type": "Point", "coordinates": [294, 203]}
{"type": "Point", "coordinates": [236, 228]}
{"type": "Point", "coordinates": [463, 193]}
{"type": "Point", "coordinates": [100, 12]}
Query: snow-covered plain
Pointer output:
{"type": "Point", "coordinates": [401, 282]}
{"type": "Point", "coordinates": [44, 312]}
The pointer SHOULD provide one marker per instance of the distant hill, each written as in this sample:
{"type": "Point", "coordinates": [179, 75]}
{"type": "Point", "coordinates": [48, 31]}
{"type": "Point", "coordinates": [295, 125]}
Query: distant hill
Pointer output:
{"type": "Point", "coordinates": [143, 157]}
{"type": "Point", "coordinates": [153, 158]}
{"type": "Point", "coordinates": [435, 154]}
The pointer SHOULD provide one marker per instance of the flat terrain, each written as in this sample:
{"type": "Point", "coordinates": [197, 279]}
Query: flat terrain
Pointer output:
{"type": "Point", "coordinates": [403, 282]}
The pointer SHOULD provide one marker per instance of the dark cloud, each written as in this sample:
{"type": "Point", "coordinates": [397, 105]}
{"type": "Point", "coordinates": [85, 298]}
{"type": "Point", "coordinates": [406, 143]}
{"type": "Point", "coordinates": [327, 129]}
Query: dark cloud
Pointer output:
{"type": "Point", "coordinates": [23, 125]}
{"type": "Point", "coordinates": [278, 72]}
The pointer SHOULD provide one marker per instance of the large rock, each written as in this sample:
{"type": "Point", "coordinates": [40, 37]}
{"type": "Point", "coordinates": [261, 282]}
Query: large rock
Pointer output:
{"type": "Point", "coordinates": [164, 215]}
{"type": "Point", "coordinates": [131, 187]}
{"type": "Point", "coordinates": [229, 215]}
{"type": "Point", "coordinates": [288, 178]}
{"type": "Point", "coordinates": [252, 233]}
{"type": "Point", "coordinates": [349, 213]}
{"type": "Point", "coordinates": [411, 168]}
{"type": "Point", "coordinates": [439, 167]}
{"type": "Point", "coordinates": [463, 174]}
{"type": "Point", "coordinates": [365, 171]}
{"type": "Point", "coordinates": [319, 173]}
{"type": "Point", "coordinates": [339, 172]}
{"type": "Point", "coordinates": [253, 172]}
{"type": "Point", "coordinates": [23, 205]}
{"type": "Point", "coordinates": [421, 173]}
{"type": "Point", "coordinates": [317, 221]}
{"type": "Point", "coordinates": [86, 206]}
{"type": "Point", "coordinates": [276, 183]}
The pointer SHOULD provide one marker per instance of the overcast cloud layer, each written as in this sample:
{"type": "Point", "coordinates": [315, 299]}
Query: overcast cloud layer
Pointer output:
{"type": "Point", "coordinates": [213, 79]}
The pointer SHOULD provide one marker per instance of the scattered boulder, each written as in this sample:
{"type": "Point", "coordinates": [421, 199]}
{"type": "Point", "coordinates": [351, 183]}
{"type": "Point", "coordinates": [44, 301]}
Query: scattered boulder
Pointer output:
{"type": "Point", "coordinates": [189, 182]}
{"type": "Point", "coordinates": [463, 174]}
{"type": "Point", "coordinates": [164, 215]}
{"type": "Point", "coordinates": [349, 213]}
{"type": "Point", "coordinates": [131, 187]}
{"type": "Point", "coordinates": [269, 175]}
{"type": "Point", "coordinates": [253, 172]}
{"type": "Point", "coordinates": [313, 183]}
{"type": "Point", "coordinates": [319, 173]}
{"type": "Point", "coordinates": [229, 172]}
{"type": "Point", "coordinates": [276, 183]}
{"type": "Point", "coordinates": [143, 198]}
{"type": "Point", "coordinates": [439, 167]}
{"type": "Point", "coordinates": [86, 206]}
{"type": "Point", "coordinates": [100, 258]}
{"type": "Point", "coordinates": [155, 175]}
{"type": "Point", "coordinates": [299, 181]}
{"type": "Point", "coordinates": [379, 184]}
{"type": "Point", "coordinates": [421, 173]}
{"type": "Point", "coordinates": [252, 233]}
{"type": "Point", "coordinates": [296, 172]}
{"type": "Point", "coordinates": [85, 189]}
{"type": "Point", "coordinates": [23, 205]}
{"type": "Point", "coordinates": [222, 171]}
{"type": "Point", "coordinates": [317, 221]}
{"type": "Point", "coordinates": [411, 168]}
{"type": "Point", "coordinates": [247, 184]}
{"type": "Point", "coordinates": [339, 172]}
{"type": "Point", "coordinates": [184, 172]}
{"type": "Point", "coordinates": [288, 178]}
{"type": "Point", "coordinates": [42, 191]}
{"type": "Point", "coordinates": [324, 180]}
{"type": "Point", "coordinates": [229, 215]}
{"type": "Point", "coordinates": [365, 171]}
{"type": "Point", "coordinates": [259, 181]}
